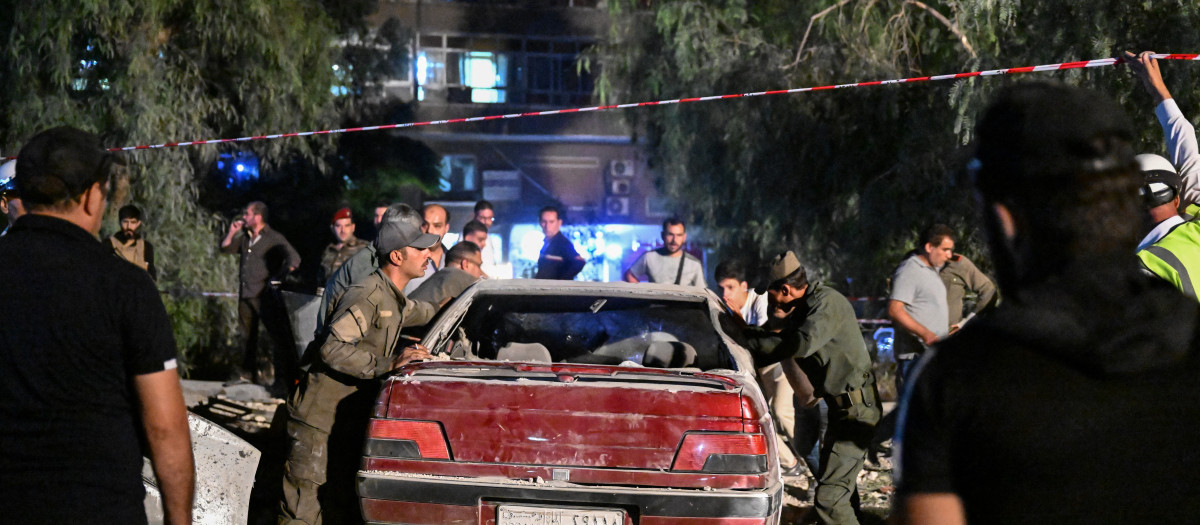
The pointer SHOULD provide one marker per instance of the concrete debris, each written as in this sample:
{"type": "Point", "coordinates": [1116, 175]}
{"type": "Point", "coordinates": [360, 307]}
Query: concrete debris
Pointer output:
{"type": "Point", "coordinates": [225, 469]}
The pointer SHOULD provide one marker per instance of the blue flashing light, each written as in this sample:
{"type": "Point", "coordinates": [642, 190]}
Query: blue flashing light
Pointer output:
{"type": "Point", "coordinates": [614, 251]}
{"type": "Point", "coordinates": [238, 168]}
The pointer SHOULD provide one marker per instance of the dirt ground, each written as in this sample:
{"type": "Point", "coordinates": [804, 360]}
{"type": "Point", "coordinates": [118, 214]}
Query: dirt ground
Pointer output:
{"type": "Point", "coordinates": [249, 412]}
{"type": "Point", "coordinates": [875, 492]}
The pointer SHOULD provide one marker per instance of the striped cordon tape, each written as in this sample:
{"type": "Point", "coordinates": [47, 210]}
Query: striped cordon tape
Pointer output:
{"type": "Point", "coordinates": [1103, 62]}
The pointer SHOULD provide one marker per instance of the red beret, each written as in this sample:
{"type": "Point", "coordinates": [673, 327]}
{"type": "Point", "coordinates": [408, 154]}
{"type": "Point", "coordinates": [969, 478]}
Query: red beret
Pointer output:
{"type": "Point", "coordinates": [343, 213]}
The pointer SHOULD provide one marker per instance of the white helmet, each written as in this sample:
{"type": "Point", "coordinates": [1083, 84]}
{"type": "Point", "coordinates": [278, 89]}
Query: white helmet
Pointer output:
{"type": "Point", "coordinates": [1152, 162]}
{"type": "Point", "coordinates": [1160, 181]}
{"type": "Point", "coordinates": [8, 175]}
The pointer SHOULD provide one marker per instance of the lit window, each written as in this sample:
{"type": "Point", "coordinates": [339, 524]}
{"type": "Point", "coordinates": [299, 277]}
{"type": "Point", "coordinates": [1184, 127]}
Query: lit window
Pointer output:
{"type": "Point", "coordinates": [484, 73]}
{"type": "Point", "coordinates": [458, 173]}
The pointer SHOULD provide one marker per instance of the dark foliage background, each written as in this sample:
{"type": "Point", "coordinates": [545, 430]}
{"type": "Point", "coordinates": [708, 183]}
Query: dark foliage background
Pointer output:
{"type": "Point", "coordinates": [848, 177]}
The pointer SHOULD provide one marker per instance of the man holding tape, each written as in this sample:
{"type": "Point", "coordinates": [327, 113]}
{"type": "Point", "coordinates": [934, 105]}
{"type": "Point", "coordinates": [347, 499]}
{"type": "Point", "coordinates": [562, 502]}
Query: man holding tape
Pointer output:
{"type": "Point", "coordinates": [1003, 421]}
{"type": "Point", "coordinates": [1171, 250]}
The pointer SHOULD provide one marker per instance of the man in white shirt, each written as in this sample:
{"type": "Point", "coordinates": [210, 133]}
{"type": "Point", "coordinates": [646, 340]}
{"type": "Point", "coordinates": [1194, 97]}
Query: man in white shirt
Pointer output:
{"type": "Point", "coordinates": [752, 306]}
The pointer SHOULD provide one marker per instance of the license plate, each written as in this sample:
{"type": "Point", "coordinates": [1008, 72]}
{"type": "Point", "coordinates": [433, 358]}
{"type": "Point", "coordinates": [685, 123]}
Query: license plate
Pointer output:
{"type": "Point", "coordinates": [518, 515]}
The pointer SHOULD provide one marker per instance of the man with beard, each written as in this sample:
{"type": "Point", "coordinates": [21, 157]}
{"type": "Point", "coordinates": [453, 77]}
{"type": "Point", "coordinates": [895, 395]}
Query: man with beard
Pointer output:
{"type": "Point", "coordinates": [669, 264]}
{"type": "Point", "coordinates": [128, 243]}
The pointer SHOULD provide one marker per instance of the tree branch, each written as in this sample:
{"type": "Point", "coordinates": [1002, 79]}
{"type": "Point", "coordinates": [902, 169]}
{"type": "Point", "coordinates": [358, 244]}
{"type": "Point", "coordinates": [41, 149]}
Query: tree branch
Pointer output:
{"type": "Point", "coordinates": [946, 22]}
{"type": "Point", "coordinates": [807, 30]}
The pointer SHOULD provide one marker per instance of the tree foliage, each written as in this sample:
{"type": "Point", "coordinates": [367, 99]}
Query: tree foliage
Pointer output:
{"type": "Point", "coordinates": [151, 71]}
{"type": "Point", "coordinates": [847, 177]}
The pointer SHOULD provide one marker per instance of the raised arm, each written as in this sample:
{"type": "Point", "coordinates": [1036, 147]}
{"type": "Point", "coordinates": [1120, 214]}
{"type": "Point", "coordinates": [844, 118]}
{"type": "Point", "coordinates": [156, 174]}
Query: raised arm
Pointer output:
{"type": "Point", "coordinates": [1182, 148]}
{"type": "Point", "coordinates": [227, 244]}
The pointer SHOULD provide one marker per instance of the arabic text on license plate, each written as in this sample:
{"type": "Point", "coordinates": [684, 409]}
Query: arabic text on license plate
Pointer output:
{"type": "Point", "coordinates": [516, 515]}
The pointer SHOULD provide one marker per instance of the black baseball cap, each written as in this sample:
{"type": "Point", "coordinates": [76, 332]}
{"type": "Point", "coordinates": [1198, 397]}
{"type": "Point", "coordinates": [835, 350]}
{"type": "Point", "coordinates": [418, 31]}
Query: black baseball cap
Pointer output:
{"type": "Point", "coordinates": [396, 235]}
{"type": "Point", "coordinates": [60, 164]}
{"type": "Point", "coordinates": [1038, 132]}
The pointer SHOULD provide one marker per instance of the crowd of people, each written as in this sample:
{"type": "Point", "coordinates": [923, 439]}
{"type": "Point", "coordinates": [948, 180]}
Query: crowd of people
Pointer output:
{"type": "Point", "coordinates": [1038, 406]}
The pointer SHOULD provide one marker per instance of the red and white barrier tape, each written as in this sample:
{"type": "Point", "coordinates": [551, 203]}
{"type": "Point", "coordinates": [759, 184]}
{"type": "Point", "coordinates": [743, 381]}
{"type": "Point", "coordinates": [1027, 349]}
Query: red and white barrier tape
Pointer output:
{"type": "Point", "coordinates": [1103, 62]}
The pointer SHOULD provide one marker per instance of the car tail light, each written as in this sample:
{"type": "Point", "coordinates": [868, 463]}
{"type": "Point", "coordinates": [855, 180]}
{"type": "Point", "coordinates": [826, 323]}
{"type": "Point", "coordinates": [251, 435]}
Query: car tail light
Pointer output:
{"type": "Point", "coordinates": [402, 438]}
{"type": "Point", "coordinates": [725, 453]}
{"type": "Point", "coordinates": [750, 417]}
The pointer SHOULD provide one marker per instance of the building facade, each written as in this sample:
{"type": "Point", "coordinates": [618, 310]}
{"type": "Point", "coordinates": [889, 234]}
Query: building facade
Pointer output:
{"type": "Point", "coordinates": [474, 58]}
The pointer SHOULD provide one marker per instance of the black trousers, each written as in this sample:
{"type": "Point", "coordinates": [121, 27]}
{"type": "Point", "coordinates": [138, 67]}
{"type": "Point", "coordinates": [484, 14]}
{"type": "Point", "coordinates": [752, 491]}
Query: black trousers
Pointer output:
{"type": "Point", "coordinates": [267, 311]}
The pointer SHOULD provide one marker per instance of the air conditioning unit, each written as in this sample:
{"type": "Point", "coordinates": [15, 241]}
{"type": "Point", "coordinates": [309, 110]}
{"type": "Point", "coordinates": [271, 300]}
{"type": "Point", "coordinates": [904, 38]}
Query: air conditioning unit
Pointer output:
{"type": "Point", "coordinates": [616, 206]}
{"type": "Point", "coordinates": [620, 187]}
{"type": "Point", "coordinates": [620, 168]}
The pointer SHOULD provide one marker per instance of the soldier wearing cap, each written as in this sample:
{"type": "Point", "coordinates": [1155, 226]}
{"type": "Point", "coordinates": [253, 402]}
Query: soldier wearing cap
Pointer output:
{"type": "Point", "coordinates": [360, 343]}
{"type": "Point", "coordinates": [10, 201]}
{"type": "Point", "coordinates": [344, 247]}
{"type": "Point", "coordinates": [821, 333]}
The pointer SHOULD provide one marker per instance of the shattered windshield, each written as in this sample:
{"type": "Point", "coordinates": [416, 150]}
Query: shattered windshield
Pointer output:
{"type": "Point", "coordinates": [591, 330]}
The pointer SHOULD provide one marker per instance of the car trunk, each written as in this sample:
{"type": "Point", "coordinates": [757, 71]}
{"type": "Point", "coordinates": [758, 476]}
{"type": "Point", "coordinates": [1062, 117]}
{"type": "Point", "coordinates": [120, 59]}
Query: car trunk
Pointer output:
{"type": "Point", "coordinates": [564, 414]}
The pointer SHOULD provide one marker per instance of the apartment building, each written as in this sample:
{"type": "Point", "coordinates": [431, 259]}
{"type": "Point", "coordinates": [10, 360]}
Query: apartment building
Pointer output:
{"type": "Point", "coordinates": [477, 58]}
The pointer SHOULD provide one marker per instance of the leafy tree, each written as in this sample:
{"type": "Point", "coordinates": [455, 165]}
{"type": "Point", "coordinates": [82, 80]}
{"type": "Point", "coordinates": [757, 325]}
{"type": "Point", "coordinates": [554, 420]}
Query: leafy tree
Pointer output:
{"type": "Point", "coordinates": [847, 177]}
{"type": "Point", "coordinates": [149, 71]}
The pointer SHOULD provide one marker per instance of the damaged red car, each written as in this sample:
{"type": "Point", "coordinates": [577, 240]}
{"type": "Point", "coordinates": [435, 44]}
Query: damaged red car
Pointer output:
{"type": "Point", "coordinates": [574, 403]}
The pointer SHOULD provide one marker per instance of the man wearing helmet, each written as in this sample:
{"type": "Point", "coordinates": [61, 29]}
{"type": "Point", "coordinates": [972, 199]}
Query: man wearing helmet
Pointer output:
{"type": "Point", "coordinates": [1171, 249]}
{"type": "Point", "coordinates": [10, 202]}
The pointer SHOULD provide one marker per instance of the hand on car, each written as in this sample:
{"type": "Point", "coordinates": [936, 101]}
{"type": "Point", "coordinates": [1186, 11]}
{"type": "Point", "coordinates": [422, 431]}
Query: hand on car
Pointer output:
{"type": "Point", "coordinates": [413, 352]}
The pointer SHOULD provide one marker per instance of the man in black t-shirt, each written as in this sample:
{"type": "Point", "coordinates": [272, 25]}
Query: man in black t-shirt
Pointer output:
{"type": "Point", "coordinates": [1071, 402]}
{"type": "Point", "coordinates": [558, 259]}
{"type": "Point", "coordinates": [87, 355]}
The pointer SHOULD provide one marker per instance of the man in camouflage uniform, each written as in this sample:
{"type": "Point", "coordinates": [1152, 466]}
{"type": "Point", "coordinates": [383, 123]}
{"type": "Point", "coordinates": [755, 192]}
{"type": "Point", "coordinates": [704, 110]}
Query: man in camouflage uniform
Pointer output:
{"type": "Point", "coordinates": [344, 246]}
{"type": "Point", "coordinates": [329, 410]}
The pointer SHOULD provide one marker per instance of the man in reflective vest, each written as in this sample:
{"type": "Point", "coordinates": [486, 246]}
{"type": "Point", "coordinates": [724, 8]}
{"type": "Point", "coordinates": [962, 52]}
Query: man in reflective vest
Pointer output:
{"type": "Point", "coordinates": [1171, 250]}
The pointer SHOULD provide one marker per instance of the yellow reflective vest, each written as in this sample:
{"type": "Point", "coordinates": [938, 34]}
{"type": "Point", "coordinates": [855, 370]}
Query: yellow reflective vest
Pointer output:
{"type": "Point", "coordinates": [1176, 257]}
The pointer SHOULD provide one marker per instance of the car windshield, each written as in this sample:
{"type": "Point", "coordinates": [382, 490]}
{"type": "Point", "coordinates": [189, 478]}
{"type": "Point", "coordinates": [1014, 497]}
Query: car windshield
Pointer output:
{"type": "Point", "coordinates": [592, 330]}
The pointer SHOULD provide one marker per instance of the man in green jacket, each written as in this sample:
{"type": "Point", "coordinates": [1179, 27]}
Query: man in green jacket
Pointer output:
{"type": "Point", "coordinates": [821, 333]}
{"type": "Point", "coordinates": [328, 412]}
